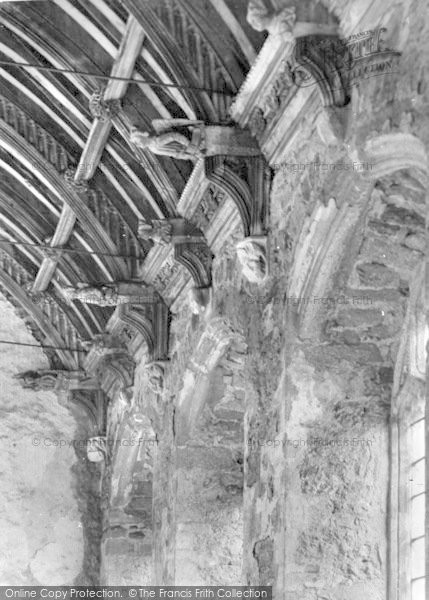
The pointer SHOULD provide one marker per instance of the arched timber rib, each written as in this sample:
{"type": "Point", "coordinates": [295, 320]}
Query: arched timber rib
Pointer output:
{"type": "Point", "coordinates": [20, 148]}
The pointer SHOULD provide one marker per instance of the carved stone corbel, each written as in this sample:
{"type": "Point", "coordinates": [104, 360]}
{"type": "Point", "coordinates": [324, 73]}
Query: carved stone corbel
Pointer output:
{"type": "Point", "coordinates": [252, 256]}
{"type": "Point", "coordinates": [200, 299]}
{"type": "Point", "coordinates": [154, 376]}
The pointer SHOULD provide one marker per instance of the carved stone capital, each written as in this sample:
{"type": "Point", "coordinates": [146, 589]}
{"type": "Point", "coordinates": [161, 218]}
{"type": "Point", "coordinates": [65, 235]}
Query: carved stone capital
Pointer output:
{"type": "Point", "coordinates": [252, 256]}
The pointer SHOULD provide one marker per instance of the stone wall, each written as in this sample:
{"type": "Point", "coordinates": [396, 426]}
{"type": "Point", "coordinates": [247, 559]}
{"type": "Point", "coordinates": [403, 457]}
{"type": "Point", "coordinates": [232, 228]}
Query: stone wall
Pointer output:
{"type": "Point", "coordinates": [50, 493]}
{"type": "Point", "coordinates": [272, 461]}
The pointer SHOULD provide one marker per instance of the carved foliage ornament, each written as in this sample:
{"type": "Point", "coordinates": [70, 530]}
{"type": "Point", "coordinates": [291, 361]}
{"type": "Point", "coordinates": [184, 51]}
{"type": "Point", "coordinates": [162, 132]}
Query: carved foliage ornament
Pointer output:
{"type": "Point", "coordinates": [78, 186]}
{"type": "Point", "coordinates": [262, 17]}
{"type": "Point", "coordinates": [192, 140]}
{"type": "Point", "coordinates": [103, 109]}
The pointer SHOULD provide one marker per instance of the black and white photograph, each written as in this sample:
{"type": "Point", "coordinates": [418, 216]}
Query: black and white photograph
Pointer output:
{"type": "Point", "coordinates": [214, 287]}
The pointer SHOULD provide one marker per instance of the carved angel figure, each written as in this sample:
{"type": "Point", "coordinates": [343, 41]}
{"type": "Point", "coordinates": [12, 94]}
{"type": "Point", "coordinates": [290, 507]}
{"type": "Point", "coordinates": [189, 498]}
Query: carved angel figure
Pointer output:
{"type": "Point", "coordinates": [38, 380]}
{"type": "Point", "coordinates": [191, 140]}
{"type": "Point", "coordinates": [58, 380]}
{"type": "Point", "coordinates": [253, 260]}
{"type": "Point", "coordinates": [158, 230]}
{"type": "Point", "coordinates": [177, 138]}
{"type": "Point", "coordinates": [263, 17]}
{"type": "Point", "coordinates": [103, 295]}
{"type": "Point", "coordinates": [111, 294]}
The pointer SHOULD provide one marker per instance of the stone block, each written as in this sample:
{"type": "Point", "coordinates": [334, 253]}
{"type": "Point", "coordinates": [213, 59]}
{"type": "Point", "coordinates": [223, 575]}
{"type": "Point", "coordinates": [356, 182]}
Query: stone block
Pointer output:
{"type": "Point", "coordinates": [377, 275]}
{"type": "Point", "coordinates": [358, 318]}
{"type": "Point", "coordinates": [325, 356]}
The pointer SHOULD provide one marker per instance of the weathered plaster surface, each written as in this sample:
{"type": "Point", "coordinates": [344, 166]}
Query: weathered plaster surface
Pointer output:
{"type": "Point", "coordinates": [42, 522]}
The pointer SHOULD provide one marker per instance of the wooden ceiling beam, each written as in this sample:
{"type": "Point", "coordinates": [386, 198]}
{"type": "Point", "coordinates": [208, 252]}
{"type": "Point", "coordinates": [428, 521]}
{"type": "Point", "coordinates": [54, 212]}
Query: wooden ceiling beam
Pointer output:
{"type": "Point", "coordinates": [128, 53]}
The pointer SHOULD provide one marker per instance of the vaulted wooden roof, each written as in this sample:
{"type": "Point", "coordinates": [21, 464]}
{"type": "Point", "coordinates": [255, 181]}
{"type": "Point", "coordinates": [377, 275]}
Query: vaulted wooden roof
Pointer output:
{"type": "Point", "coordinates": [190, 57]}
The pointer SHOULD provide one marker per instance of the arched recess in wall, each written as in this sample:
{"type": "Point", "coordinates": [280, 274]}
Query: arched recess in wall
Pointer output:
{"type": "Point", "coordinates": [360, 265]}
{"type": "Point", "coordinates": [209, 440]}
{"type": "Point", "coordinates": [330, 232]}
{"type": "Point", "coordinates": [397, 157]}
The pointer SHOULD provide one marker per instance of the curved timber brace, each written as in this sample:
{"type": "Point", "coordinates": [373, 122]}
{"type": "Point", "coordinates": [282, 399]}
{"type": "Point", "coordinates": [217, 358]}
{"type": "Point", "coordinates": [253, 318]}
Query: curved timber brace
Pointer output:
{"type": "Point", "coordinates": [321, 60]}
{"type": "Point", "coordinates": [247, 181]}
{"type": "Point", "coordinates": [146, 324]}
{"type": "Point", "coordinates": [108, 359]}
{"type": "Point", "coordinates": [76, 390]}
{"type": "Point", "coordinates": [190, 246]}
